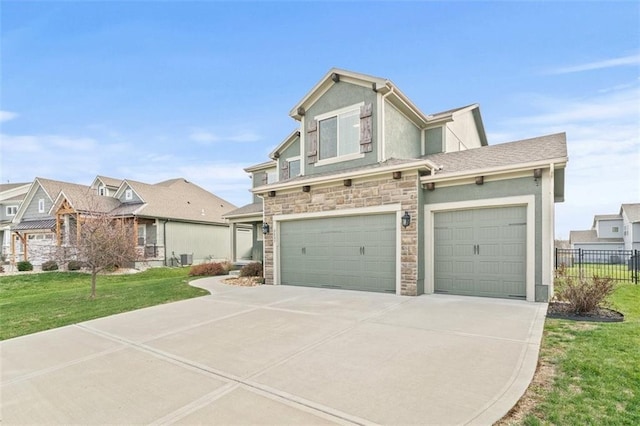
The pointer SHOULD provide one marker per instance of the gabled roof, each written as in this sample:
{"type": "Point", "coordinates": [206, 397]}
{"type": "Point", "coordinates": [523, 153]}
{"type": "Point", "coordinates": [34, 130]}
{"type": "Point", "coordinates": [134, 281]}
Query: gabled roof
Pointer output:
{"type": "Point", "coordinates": [377, 84]}
{"type": "Point", "coordinates": [284, 144]}
{"type": "Point", "coordinates": [13, 191]}
{"type": "Point", "coordinates": [590, 236]}
{"type": "Point", "coordinates": [106, 181]}
{"type": "Point", "coordinates": [600, 217]}
{"type": "Point", "coordinates": [632, 211]}
{"type": "Point", "coordinates": [179, 199]}
{"type": "Point", "coordinates": [51, 188]}
{"type": "Point", "coordinates": [501, 156]}
{"type": "Point", "coordinates": [84, 200]}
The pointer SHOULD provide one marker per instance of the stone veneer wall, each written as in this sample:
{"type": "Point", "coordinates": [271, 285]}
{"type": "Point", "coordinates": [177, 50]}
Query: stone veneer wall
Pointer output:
{"type": "Point", "coordinates": [376, 191]}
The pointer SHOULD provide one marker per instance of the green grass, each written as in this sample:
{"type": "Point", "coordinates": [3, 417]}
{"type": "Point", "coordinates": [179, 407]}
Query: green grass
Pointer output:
{"type": "Point", "coordinates": [35, 302]}
{"type": "Point", "coordinates": [597, 365]}
{"type": "Point", "coordinates": [619, 272]}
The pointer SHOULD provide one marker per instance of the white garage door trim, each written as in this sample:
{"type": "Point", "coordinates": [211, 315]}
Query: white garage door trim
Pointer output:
{"type": "Point", "coordinates": [525, 200]}
{"type": "Point", "coordinates": [389, 208]}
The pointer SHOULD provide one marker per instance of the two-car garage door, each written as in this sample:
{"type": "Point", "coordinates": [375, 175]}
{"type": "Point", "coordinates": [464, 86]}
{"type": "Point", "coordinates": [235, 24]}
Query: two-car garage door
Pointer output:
{"type": "Point", "coordinates": [481, 252]}
{"type": "Point", "coordinates": [349, 252]}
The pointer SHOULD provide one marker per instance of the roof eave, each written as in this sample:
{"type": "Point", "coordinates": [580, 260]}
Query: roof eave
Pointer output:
{"type": "Point", "coordinates": [558, 163]}
{"type": "Point", "coordinates": [417, 165]}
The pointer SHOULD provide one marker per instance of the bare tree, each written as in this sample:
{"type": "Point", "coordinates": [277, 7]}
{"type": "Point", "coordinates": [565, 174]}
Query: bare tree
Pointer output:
{"type": "Point", "coordinates": [104, 241]}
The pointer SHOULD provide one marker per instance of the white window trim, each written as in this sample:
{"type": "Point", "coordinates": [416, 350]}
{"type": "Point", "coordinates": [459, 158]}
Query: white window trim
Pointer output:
{"type": "Point", "coordinates": [11, 210]}
{"type": "Point", "coordinates": [330, 114]}
{"type": "Point", "coordinates": [529, 201]}
{"type": "Point", "coordinates": [128, 194]}
{"type": "Point", "coordinates": [41, 205]}
{"type": "Point", "coordinates": [102, 191]}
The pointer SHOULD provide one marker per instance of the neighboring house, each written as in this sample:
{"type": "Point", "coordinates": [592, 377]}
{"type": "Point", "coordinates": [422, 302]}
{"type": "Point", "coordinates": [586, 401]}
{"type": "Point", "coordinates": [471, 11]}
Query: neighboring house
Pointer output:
{"type": "Point", "coordinates": [373, 194]}
{"type": "Point", "coordinates": [170, 219]}
{"type": "Point", "coordinates": [631, 225]}
{"type": "Point", "coordinates": [11, 195]}
{"type": "Point", "coordinates": [611, 231]}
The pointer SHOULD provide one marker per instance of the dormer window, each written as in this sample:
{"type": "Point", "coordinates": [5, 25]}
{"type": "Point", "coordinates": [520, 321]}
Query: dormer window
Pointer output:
{"type": "Point", "coordinates": [128, 194]}
{"type": "Point", "coordinates": [41, 205]}
{"type": "Point", "coordinates": [102, 191]}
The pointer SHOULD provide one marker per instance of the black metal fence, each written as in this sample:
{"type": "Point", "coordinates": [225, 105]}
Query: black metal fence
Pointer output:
{"type": "Point", "coordinates": [620, 265]}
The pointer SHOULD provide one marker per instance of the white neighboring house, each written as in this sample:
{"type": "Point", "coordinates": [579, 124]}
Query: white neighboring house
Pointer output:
{"type": "Point", "coordinates": [11, 196]}
{"type": "Point", "coordinates": [617, 232]}
{"type": "Point", "coordinates": [630, 214]}
{"type": "Point", "coordinates": [605, 234]}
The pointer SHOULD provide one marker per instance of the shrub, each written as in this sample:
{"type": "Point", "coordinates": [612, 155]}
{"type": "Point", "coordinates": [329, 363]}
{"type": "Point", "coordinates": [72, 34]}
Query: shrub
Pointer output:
{"type": "Point", "coordinates": [251, 270]}
{"type": "Point", "coordinates": [584, 295]}
{"type": "Point", "coordinates": [1, 269]}
{"type": "Point", "coordinates": [25, 265]}
{"type": "Point", "coordinates": [74, 265]}
{"type": "Point", "coordinates": [208, 269]}
{"type": "Point", "coordinates": [50, 265]}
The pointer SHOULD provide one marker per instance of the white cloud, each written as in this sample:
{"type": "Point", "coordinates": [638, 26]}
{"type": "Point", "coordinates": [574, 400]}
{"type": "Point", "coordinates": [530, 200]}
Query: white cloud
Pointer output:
{"type": "Point", "coordinates": [206, 137]}
{"type": "Point", "coordinates": [603, 142]}
{"type": "Point", "coordinates": [203, 137]}
{"type": "Point", "coordinates": [607, 63]}
{"type": "Point", "coordinates": [7, 115]}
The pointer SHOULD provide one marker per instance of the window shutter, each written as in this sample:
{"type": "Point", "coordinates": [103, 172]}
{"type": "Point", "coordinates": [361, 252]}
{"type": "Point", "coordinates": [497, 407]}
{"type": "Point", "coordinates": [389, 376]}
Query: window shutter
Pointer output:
{"type": "Point", "coordinates": [284, 170]}
{"type": "Point", "coordinates": [265, 178]}
{"type": "Point", "coordinates": [312, 142]}
{"type": "Point", "coordinates": [366, 142]}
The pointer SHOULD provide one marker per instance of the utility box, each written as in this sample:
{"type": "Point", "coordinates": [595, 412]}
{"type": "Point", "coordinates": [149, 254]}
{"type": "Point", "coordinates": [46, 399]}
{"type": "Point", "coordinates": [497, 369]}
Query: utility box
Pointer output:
{"type": "Point", "coordinates": [186, 259]}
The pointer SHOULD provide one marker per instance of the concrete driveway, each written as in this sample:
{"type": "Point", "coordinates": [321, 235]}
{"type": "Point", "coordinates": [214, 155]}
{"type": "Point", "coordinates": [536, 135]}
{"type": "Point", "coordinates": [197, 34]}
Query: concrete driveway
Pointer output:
{"type": "Point", "coordinates": [279, 355]}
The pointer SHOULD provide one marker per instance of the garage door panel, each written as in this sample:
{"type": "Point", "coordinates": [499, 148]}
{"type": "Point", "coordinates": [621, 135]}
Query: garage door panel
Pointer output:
{"type": "Point", "coordinates": [482, 253]}
{"type": "Point", "coordinates": [353, 252]}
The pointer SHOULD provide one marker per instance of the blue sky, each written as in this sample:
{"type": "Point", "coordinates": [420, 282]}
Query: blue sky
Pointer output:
{"type": "Point", "coordinates": [153, 90]}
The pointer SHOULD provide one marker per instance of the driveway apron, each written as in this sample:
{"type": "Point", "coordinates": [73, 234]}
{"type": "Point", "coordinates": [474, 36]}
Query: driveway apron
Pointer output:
{"type": "Point", "coordinates": [279, 355]}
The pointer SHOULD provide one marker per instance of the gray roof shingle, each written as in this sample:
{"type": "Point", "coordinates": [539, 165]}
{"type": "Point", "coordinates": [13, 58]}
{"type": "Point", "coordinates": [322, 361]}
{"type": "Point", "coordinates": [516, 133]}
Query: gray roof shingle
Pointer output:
{"type": "Point", "coordinates": [245, 210]}
{"type": "Point", "coordinates": [590, 236]}
{"type": "Point", "coordinates": [506, 154]}
{"type": "Point", "coordinates": [632, 211]}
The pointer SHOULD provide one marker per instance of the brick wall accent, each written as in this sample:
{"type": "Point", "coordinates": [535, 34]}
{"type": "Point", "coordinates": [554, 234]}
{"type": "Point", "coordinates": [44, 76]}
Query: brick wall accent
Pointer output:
{"type": "Point", "coordinates": [375, 191]}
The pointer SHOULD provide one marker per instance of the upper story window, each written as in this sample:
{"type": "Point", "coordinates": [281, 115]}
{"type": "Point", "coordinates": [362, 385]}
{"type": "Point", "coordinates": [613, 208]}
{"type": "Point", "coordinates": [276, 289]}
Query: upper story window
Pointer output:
{"type": "Point", "coordinates": [102, 191]}
{"type": "Point", "coordinates": [11, 210]}
{"type": "Point", "coordinates": [615, 229]}
{"type": "Point", "coordinates": [272, 177]}
{"type": "Point", "coordinates": [294, 168]}
{"type": "Point", "coordinates": [339, 133]}
{"type": "Point", "coordinates": [128, 194]}
{"type": "Point", "coordinates": [41, 205]}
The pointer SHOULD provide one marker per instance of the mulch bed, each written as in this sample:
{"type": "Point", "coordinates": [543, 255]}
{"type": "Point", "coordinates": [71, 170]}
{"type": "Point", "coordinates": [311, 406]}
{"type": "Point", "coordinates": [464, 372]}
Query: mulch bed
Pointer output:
{"type": "Point", "coordinates": [244, 281]}
{"type": "Point", "coordinates": [561, 310]}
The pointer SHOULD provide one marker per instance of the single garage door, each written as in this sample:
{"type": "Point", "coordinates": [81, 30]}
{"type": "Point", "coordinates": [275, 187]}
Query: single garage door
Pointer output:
{"type": "Point", "coordinates": [351, 252]}
{"type": "Point", "coordinates": [481, 252]}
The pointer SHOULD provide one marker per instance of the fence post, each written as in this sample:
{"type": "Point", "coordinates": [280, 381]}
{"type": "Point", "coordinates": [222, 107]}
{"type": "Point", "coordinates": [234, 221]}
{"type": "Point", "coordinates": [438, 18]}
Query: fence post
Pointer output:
{"type": "Point", "coordinates": [636, 266]}
{"type": "Point", "coordinates": [556, 264]}
{"type": "Point", "coordinates": [580, 263]}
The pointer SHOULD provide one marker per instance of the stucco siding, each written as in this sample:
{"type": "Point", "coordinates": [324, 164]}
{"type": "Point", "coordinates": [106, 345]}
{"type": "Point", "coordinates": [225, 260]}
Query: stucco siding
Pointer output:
{"type": "Point", "coordinates": [500, 189]}
{"type": "Point", "coordinates": [402, 137]}
{"type": "Point", "coordinates": [462, 133]}
{"type": "Point", "coordinates": [205, 242]}
{"type": "Point", "coordinates": [293, 150]}
{"type": "Point", "coordinates": [433, 140]}
{"type": "Point", "coordinates": [342, 95]}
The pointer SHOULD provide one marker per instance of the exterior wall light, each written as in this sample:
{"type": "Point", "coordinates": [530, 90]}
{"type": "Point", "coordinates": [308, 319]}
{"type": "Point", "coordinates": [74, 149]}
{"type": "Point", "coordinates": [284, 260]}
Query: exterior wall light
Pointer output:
{"type": "Point", "coordinates": [406, 219]}
{"type": "Point", "coordinates": [431, 186]}
{"type": "Point", "coordinates": [265, 228]}
{"type": "Point", "coordinates": [537, 174]}
{"type": "Point", "coordinates": [479, 180]}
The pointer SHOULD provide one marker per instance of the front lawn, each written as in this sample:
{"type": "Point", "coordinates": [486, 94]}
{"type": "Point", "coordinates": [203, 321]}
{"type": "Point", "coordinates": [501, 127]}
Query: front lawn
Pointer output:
{"type": "Point", "coordinates": [589, 373]}
{"type": "Point", "coordinates": [36, 302]}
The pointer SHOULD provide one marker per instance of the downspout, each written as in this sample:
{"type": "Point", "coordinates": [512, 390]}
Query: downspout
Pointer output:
{"type": "Point", "coordinates": [382, 138]}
